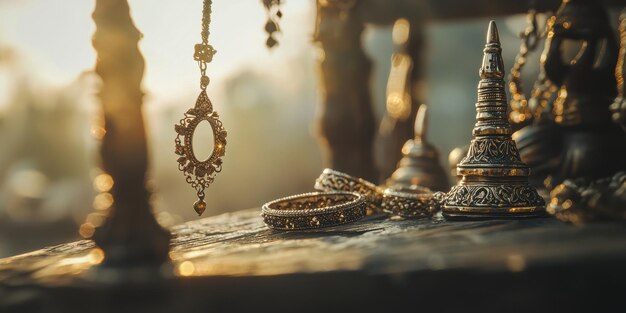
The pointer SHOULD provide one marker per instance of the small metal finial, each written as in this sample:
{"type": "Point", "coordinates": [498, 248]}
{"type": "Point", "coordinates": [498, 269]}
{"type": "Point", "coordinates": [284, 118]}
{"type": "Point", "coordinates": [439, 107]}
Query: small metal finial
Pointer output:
{"type": "Point", "coordinates": [493, 66]}
{"type": "Point", "coordinates": [420, 162]}
{"type": "Point", "coordinates": [421, 123]}
{"type": "Point", "coordinates": [492, 33]}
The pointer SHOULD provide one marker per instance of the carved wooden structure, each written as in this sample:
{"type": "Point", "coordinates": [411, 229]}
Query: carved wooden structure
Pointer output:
{"type": "Point", "coordinates": [130, 235]}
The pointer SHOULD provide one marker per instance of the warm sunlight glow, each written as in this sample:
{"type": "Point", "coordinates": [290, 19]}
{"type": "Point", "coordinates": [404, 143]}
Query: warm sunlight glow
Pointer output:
{"type": "Point", "coordinates": [103, 182]}
{"type": "Point", "coordinates": [86, 230]}
{"type": "Point", "coordinates": [96, 256]}
{"type": "Point", "coordinates": [103, 201]}
{"type": "Point", "coordinates": [186, 268]}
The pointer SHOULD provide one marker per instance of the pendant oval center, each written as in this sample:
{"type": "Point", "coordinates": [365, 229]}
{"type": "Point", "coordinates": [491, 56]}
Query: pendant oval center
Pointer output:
{"type": "Point", "coordinates": [203, 141]}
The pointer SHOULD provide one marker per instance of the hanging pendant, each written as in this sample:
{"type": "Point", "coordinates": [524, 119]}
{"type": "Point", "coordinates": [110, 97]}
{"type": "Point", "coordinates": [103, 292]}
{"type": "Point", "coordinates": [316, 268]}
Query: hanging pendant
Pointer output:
{"type": "Point", "coordinates": [274, 15]}
{"type": "Point", "coordinates": [200, 174]}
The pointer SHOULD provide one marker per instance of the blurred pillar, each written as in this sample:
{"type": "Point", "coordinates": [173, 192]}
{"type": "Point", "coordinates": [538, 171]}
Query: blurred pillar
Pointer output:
{"type": "Point", "coordinates": [345, 119]}
{"type": "Point", "coordinates": [130, 236]}
{"type": "Point", "coordinates": [404, 93]}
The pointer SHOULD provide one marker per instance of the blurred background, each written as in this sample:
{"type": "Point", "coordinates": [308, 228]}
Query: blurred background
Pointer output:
{"type": "Point", "coordinates": [266, 99]}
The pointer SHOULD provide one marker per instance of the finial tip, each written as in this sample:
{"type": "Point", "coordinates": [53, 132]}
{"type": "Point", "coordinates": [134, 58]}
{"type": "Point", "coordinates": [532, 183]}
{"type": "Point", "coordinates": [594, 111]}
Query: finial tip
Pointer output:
{"type": "Point", "coordinates": [492, 33]}
{"type": "Point", "coordinates": [421, 123]}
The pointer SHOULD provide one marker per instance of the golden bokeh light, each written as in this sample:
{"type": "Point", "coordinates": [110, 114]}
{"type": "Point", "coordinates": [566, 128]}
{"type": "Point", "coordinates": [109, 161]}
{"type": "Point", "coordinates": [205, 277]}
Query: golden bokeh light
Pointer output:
{"type": "Point", "coordinates": [103, 201]}
{"type": "Point", "coordinates": [165, 219]}
{"type": "Point", "coordinates": [567, 204]}
{"type": "Point", "coordinates": [98, 132]}
{"type": "Point", "coordinates": [516, 263]}
{"type": "Point", "coordinates": [103, 182]}
{"type": "Point", "coordinates": [86, 230]}
{"type": "Point", "coordinates": [400, 33]}
{"type": "Point", "coordinates": [566, 25]}
{"type": "Point", "coordinates": [399, 105]}
{"type": "Point", "coordinates": [96, 219]}
{"type": "Point", "coordinates": [96, 256]}
{"type": "Point", "coordinates": [186, 268]}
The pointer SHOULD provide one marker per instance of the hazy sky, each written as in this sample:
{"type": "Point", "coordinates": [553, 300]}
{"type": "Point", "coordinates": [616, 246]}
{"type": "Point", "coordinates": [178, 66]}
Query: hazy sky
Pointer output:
{"type": "Point", "coordinates": [54, 38]}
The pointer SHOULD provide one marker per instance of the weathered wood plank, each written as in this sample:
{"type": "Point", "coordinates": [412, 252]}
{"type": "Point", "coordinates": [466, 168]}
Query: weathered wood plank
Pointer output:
{"type": "Point", "coordinates": [376, 263]}
{"type": "Point", "coordinates": [240, 244]}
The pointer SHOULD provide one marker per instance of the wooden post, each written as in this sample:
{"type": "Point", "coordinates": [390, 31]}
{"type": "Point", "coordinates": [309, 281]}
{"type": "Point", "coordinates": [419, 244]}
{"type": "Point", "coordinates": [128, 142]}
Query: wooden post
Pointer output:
{"type": "Point", "coordinates": [130, 236]}
{"type": "Point", "coordinates": [345, 120]}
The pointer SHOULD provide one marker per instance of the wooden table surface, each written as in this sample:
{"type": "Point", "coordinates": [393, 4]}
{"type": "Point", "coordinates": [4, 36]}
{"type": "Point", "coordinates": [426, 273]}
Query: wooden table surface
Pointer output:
{"type": "Point", "coordinates": [233, 263]}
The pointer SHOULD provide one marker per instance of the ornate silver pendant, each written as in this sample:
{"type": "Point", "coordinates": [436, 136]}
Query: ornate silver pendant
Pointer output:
{"type": "Point", "coordinates": [200, 174]}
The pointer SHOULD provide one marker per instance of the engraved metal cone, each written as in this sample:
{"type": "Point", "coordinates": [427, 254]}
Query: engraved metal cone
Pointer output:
{"type": "Point", "coordinates": [420, 162]}
{"type": "Point", "coordinates": [495, 180]}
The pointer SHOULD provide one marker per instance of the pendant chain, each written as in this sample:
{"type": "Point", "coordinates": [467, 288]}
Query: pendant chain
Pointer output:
{"type": "Point", "coordinates": [200, 174]}
{"type": "Point", "coordinates": [204, 52]}
{"type": "Point", "coordinates": [206, 20]}
{"type": "Point", "coordinates": [520, 112]}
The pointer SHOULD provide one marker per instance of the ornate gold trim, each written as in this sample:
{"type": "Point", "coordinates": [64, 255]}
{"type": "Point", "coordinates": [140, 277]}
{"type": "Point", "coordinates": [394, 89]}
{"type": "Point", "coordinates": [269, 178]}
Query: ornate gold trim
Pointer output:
{"type": "Point", "coordinates": [314, 210]}
{"type": "Point", "coordinates": [332, 180]}
{"type": "Point", "coordinates": [200, 174]}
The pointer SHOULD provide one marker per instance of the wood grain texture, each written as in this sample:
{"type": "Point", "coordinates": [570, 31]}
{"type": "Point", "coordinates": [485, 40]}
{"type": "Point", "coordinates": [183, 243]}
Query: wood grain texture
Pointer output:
{"type": "Point", "coordinates": [366, 264]}
{"type": "Point", "coordinates": [240, 244]}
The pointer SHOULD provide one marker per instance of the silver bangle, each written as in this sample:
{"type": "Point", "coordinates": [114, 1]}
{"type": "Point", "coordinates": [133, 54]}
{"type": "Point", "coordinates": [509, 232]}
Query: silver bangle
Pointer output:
{"type": "Point", "coordinates": [415, 202]}
{"type": "Point", "coordinates": [313, 210]}
{"type": "Point", "coordinates": [332, 180]}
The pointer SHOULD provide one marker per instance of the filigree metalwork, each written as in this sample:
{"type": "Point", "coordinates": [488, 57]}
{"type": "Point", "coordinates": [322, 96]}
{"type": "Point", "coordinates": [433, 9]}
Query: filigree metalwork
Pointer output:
{"type": "Point", "coordinates": [505, 195]}
{"type": "Point", "coordinates": [199, 174]}
{"type": "Point", "coordinates": [583, 200]}
{"type": "Point", "coordinates": [495, 180]}
{"type": "Point", "coordinates": [331, 180]}
{"type": "Point", "coordinates": [314, 210]}
{"type": "Point", "coordinates": [411, 202]}
{"type": "Point", "coordinates": [204, 52]}
{"type": "Point", "coordinates": [492, 150]}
